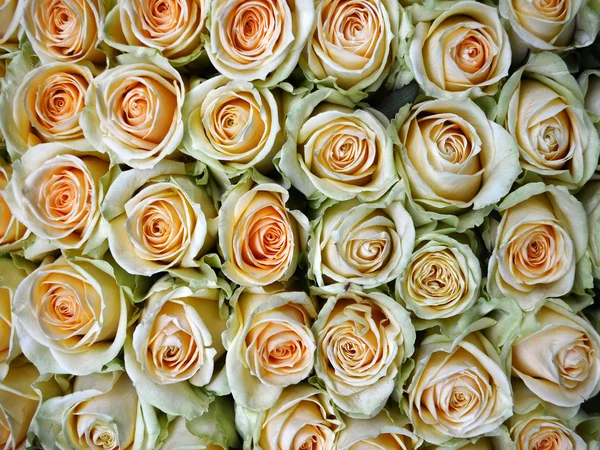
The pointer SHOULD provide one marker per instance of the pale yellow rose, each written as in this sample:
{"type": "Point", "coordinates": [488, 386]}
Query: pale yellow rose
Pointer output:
{"type": "Point", "coordinates": [258, 40]}
{"type": "Point", "coordinates": [12, 232]}
{"type": "Point", "coordinates": [11, 12]}
{"type": "Point", "coordinates": [269, 342]}
{"type": "Point", "coordinates": [171, 27]}
{"type": "Point", "coordinates": [353, 44]}
{"type": "Point", "coordinates": [559, 361]}
{"type": "Point", "coordinates": [259, 237]}
{"type": "Point", "coordinates": [463, 52]}
{"type": "Point", "coordinates": [537, 244]}
{"type": "Point", "coordinates": [543, 433]}
{"type": "Point", "coordinates": [65, 30]}
{"type": "Point", "coordinates": [458, 389]}
{"type": "Point", "coordinates": [44, 106]}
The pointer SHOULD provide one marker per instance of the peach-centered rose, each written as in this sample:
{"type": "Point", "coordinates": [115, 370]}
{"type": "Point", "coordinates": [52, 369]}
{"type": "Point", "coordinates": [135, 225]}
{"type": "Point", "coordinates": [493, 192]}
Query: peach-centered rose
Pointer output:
{"type": "Point", "coordinates": [354, 42]}
{"type": "Point", "coordinates": [12, 232]}
{"type": "Point", "coordinates": [65, 30]}
{"type": "Point", "coordinates": [173, 27]}
{"type": "Point", "coordinates": [463, 52]}
{"type": "Point", "coordinates": [544, 433]}
{"type": "Point", "coordinates": [388, 430]}
{"type": "Point", "coordinates": [559, 362]}
{"type": "Point", "coordinates": [259, 237]}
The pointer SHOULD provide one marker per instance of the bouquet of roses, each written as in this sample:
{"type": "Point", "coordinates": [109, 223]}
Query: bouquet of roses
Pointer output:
{"type": "Point", "coordinates": [299, 224]}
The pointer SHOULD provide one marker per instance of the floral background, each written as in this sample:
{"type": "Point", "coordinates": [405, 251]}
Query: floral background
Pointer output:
{"type": "Point", "coordinates": [287, 224]}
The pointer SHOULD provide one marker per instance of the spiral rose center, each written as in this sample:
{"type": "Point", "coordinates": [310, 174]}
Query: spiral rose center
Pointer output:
{"type": "Point", "coordinates": [574, 360]}
{"type": "Point", "coordinates": [551, 8]}
{"type": "Point", "coordinates": [472, 53]}
{"type": "Point", "coordinates": [62, 314]}
{"type": "Point", "coordinates": [67, 197]}
{"type": "Point", "coordinates": [547, 440]}
{"type": "Point", "coordinates": [255, 29]}
{"type": "Point", "coordinates": [162, 228]}
{"type": "Point", "coordinates": [101, 436]}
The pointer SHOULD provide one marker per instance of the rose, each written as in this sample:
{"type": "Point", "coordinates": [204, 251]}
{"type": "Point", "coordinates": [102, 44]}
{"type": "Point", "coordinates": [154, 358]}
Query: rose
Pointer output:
{"type": "Point", "coordinates": [71, 316]}
{"type": "Point", "coordinates": [259, 237]}
{"type": "Point", "coordinates": [542, 107]}
{"type": "Point", "coordinates": [543, 432]}
{"type": "Point", "coordinates": [388, 430]}
{"type": "Point", "coordinates": [232, 125]}
{"type": "Point", "coordinates": [65, 31]}
{"type": "Point", "coordinates": [258, 40]}
{"type": "Point", "coordinates": [270, 344]}
{"type": "Point", "coordinates": [56, 192]}
{"type": "Point", "coordinates": [159, 219]}
{"type": "Point", "coordinates": [133, 111]}
{"type": "Point", "coordinates": [559, 359]}
{"type": "Point", "coordinates": [542, 235]}
{"type": "Point", "coordinates": [551, 26]}
{"type": "Point", "coordinates": [44, 105]}
{"type": "Point", "coordinates": [353, 45]}
{"type": "Point", "coordinates": [463, 52]}
{"type": "Point", "coordinates": [333, 151]}
{"type": "Point", "coordinates": [362, 341]}
{"type": "Point", "coordinates": [176, 343]}
{"type": "Point", "coordinates": [102, 412]}
{"type": "Point", "coordinates": [442, 278]}
{"type": "Point", "coordinates": [589, 81]}
{"type": "Point", "coordinates": [172, 28]}
{"type": "Point", "coordinates": [11, 12]}
{"type": "Point", "coordinates": [455, 163]}
{"type": "Point", "coordinates": [303, 417]}
{"type": "Point", "coordinates": [12, 232]}
{"type": "Point", "coordinates": [590, 199]}
{"type": "Point", "coordinates": [458, 389]}
{"type": "Point", "coordinates": [368, 244]}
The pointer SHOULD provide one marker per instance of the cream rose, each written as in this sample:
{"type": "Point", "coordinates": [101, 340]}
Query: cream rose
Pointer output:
{"type": "Point", "coordinates": [353, 45]}
{"type": "Point", "coordinates": [368, 244]}
{"type": "Point", "coordinates": [333, 151]}
{"type": "Point", "coordinates": [542, 107]}
{"type": "Point", "coordinates": [173, 28]}
{"type": "Point", "coordinates": [259, 237]}
{"type": "Point", "coordinates": [455, 163]}
{"type": "Point", "coordinates": [133, 111]}
{"type": "Point", "coordinates": [589, 81]}
{"type": "Point", "coordinates": [56, 192]}
{"type": "Point", "coordinates": [233, 126]}
{"type": "Point", "coordinates": [543, 432]}
{"type": "Point", "coordinates": [65, 30]}
{"type": "Point", "coordinates": [177, 342]}
{"type": "Point", "coordinates": [553, 26]}
{"type": "Point", "coordinates": [458, 389]}
{"type": "Point", "coordinates": [559, 359]}
{"type": "Point", "coordinates": [442, 278]}
{"type": "Point", "coordinates": [11, 13]}
{"type": "Point", "coordinates": [258, 40]}
{"type": "Point", "coordinates": [590, 199]}
{"type": "Point", "coordinates": [541, 237]}
{"type": "Point", "coordinates": [159, 219]}
{"type": "Point", "coordinates": [270, 344]}
{"type": "Point", "coordinates": [103, 412]}
{"type": "Point", "coordinates": [302, 418]}
{"type": "Point", "coordinates": [362, 341]}
{"type": "Point", "coordinates": [388, 430]}
{"type": "Point", "coordinates": [12, 232]}
{"type": "Point", "coordinates": [463, 52]}
{"type": "Point", "coordinates": [71, 316]}
{"type": "Point", "coordinates": [44, 105]}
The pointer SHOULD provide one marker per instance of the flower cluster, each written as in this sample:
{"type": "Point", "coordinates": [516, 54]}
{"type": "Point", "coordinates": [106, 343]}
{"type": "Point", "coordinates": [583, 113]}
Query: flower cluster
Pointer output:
{"type": "Point", "coordinates": [299, 224]}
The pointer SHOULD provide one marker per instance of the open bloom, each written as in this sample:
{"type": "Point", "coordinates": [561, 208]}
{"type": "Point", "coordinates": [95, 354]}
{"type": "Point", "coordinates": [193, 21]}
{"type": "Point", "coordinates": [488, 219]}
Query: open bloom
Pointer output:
{"type": "Point", "coordinates": [71, 316]}
{"type": "Point", "coordinates": [302, 418]}
{"type": "Point", "coordinates": [260, 238]}
{"type": "Point", "coordinates": [258, 40]}
{"type": "Point", "coordinates": [353, 45]}
{"type": "Point", "coordinates": [560, 360]}
{"type": "Point", "coordinates": [362, 341]}
{"type": "Point", "coordinates": [56, 191]}
{"type": "Point", "coordinates": [270, 345]}
{"type": "Point", "coordinates": [368, 244]}
{"type": "Point", "coordinates": [65, 31]}
{"type": "Point", "coordinates": [159, 219]}
{"type": "Point", "coordinates": [44, 106]}
{"type": "Point", "coordinates": [133, 111]}
{"type": "Point", "coordinates": [533, 432]}
{"type": "Point", "coordinates": [463, 52]}
{"type": "Point", "coordinates": [458, 390]}
{"type": "Point", "coordinates": [12, 232]}
{"type": "Point", "coordinates": [541, 237]}
{"type": "Point", "coordinates": [455, 163]}
{"type": "Point", "coordinates": [542, 107]}
{"type": "Point", "coordinates": [173, 28]}
{"type": "Point", "coordinates": [333, 151]}
{"type": "Point", "coordinates": [233, 125]}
